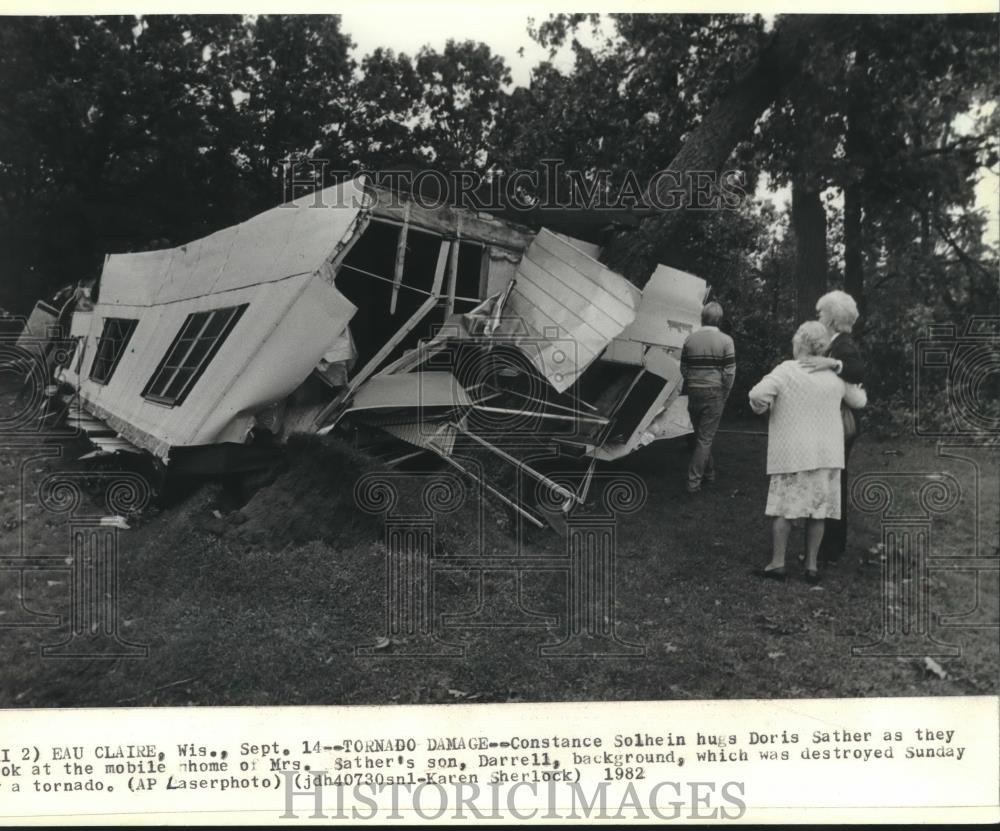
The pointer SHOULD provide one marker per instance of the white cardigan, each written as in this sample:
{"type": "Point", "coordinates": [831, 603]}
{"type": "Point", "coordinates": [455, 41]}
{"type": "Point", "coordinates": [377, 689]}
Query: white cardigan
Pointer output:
{"type": "Point", "coordinates": [805, 431]}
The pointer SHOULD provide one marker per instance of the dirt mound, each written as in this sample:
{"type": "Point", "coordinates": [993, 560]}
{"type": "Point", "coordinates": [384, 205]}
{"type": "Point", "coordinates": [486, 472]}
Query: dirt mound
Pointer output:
{"type": "Point", "coordinates": [336, 495]}
{"type": "Point", "coordinates": [313, 499]}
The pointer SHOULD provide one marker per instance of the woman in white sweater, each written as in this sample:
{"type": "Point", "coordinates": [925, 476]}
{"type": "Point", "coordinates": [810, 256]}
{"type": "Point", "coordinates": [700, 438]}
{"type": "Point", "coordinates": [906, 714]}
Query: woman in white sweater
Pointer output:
{"type": "Point", "coordinates": [805, 445]}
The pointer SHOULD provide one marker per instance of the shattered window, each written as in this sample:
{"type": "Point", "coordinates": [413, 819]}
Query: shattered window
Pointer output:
{"type": "Point", "coordinates": [110, 348]}
{"type": "Point", "coordinates": [384, 304]}
{"type": "Point", "coordinates": [470, 281]}
{"type": "Point", "coordinates": [199, 339]}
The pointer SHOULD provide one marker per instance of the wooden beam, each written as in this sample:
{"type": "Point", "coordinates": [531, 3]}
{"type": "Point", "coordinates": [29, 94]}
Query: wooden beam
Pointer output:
{"type": "Point", "coordinates": [369, 369]}
{"type": "Point", "coordinates": [484, 272]}
{"type": "Point", "coordinates": [532, 414]}
{"type": "Point", "coordinates": [445, 219]}
{"type": "Point", "coordinates": [397, 277]}
{"type": "Point", "coordinates": [453, 270]}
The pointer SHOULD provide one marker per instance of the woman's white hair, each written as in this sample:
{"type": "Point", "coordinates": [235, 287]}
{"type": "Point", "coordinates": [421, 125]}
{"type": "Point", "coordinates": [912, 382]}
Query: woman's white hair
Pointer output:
{"type": "Point", "coordinates": [811, 338]}
{"type": "Point", "coordinates": [840, 308]}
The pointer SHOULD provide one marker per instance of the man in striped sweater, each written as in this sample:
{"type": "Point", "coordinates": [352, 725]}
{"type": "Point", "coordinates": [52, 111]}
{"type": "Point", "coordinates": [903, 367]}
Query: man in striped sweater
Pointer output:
{"type": "Point", "coordinates": [708, 364]}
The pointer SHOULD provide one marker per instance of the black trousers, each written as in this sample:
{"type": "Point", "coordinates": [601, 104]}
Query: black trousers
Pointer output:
{"type": "Point", "coordinates": [835, 530]}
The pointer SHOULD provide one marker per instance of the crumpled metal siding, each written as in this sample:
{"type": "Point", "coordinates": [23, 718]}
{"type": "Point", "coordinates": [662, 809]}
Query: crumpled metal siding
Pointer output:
{"type": "Point", "coordinates": [565, 308]}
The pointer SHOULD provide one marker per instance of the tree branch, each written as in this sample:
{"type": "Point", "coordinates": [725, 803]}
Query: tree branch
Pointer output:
{"type": "Point", "coordinates": [967, 260]}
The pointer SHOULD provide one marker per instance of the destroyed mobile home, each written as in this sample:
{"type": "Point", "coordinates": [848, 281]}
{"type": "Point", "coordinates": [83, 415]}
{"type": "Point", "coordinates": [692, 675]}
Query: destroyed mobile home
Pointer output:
{"type": "Point", "coordinates": [406, 329]}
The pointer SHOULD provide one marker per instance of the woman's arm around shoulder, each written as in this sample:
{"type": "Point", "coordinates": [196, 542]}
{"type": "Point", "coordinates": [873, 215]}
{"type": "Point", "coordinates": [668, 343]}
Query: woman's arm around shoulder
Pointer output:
{"type": "Point", "coordinates": [766, 389]}
{"type": "Point", "coordinates": [845, 350]}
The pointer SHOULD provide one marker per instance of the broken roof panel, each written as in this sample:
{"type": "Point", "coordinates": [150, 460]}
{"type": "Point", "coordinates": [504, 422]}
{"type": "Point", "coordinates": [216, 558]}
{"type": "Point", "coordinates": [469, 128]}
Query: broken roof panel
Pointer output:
{"type": "Point", "coordinates": [429, 214]}
{"type": "Point", "coordinates": [565, 307]}
{"type": "Point", "coordinates": [410, 391]}
{"type": "Point", "coordinates": [591, 249]}
{"type": "Point", "coordinates": [292, 239]}
{"type": "Point", "coordinates": [670, 308]}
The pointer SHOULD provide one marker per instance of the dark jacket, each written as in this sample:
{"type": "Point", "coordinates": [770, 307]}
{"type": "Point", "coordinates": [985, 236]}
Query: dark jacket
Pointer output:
{"type": "Point", "coordinates": [845, 350]}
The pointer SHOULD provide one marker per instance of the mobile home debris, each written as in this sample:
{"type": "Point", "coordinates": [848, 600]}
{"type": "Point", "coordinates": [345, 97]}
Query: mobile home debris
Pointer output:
{"type": "Point", "coordinates": [409, 329]}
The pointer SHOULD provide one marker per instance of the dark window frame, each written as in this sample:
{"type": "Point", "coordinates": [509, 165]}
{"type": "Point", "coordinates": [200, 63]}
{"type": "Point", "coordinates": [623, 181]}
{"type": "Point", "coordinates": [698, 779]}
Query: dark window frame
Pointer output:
{"type": "Point", "coordinates": [116, 343]}
{"type": "Point", "coordinates": [195, 345]}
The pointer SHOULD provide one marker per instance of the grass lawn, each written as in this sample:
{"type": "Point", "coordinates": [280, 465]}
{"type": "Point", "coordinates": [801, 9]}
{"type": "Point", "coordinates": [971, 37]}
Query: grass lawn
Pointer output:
{"type": "Point", "coordinates": [266, 604]}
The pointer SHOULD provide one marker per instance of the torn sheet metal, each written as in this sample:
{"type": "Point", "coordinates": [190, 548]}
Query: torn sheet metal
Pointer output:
{"type": "Point", "coordinates": [652, 392]}
{"type": "Point", "coordinates": [114, 444]}
{"type": "Point", "coordinates": [337, 362]}
{"type": "Point", "coordinates": [424, 352]}
{"type": "Point", "coordinates": [79, 330]}
{"type": "Point", "coordinates": [291, 239]}
{"type": "Point", "coordinates": [669, 311]}
{"type": "Point", "coordinates": [486, 318]}
{"type": "Point", "coordinates": [93, 454]}
{"type": "Point", "coordinates": [672, 421]}
{"type": "Point", "coordinates": [564, 309]}
{"type": "Point", "coordinates": [591, 249]}
{"type": "Point", "coordinates": [42, 325]}
{"type": "Point", "coordinates": [436, 437]}
{"type": "Point", "coordinates": [342, 348]}
{"type": "Point", "coordinates": [418, 391]}
{"type": "Point", "coordinates": [622, 351]}
{"type": "Point", "coordinates": [501, 265]}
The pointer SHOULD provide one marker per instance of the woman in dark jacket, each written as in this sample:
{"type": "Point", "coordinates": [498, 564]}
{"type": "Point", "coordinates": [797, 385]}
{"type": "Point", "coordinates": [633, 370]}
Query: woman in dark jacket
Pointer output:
{"type": "Point", "coordinates": [838, 312]}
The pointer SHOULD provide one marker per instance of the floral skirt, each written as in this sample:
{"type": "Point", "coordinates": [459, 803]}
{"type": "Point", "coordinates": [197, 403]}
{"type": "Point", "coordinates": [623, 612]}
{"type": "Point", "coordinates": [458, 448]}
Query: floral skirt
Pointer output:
{"type": "Point", "coordinates": [808, 493]}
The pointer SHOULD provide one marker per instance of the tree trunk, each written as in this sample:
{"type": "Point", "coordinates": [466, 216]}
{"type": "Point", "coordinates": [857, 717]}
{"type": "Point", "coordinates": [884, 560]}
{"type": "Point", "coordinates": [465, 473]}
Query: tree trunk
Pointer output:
{"type": "Point", "coordinates": [636, 254]}
{"type": "Point", "coordinates": [809, 225]}
{"type": "Point", "coordinates": [854, 268]}
{"type": "Point", "coordinates": [856, 146]}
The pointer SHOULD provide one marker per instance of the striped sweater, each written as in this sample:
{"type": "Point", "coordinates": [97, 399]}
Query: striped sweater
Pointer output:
{"type": "Point", "coordinates": [708, 360]}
